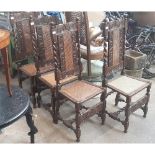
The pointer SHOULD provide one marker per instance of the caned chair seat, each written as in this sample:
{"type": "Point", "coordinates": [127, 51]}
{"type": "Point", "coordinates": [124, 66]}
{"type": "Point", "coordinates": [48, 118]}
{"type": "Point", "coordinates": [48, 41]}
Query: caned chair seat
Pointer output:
{"type": "Point", "coordinates": [49, 79]}
{"type": "Point", "coordinates": [127, 85]}
{"type": "Point", "coordinates": [80, 91]}
{"type": "Point", "coordinates": [96, 52]}
{"type": "Point", "coordinates": [29, 69]}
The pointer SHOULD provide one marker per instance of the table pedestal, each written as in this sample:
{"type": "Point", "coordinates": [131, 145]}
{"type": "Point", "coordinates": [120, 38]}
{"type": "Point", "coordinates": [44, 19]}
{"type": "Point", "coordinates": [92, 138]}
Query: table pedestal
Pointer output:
{"type": "Point", "coordinates": [14, 107]}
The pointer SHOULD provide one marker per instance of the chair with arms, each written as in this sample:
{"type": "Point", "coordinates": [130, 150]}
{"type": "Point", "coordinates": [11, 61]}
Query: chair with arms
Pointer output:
{"type": "Point", "coordinates": [66, 48]}
{"type": "Point", "coordinates": [129, 87]}
{"type": "Point", "coordinates": [87, 36]}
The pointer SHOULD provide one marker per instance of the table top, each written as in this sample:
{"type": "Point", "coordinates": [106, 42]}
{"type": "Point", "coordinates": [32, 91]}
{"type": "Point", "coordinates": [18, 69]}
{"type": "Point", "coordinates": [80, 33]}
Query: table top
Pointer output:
{"type": "Point", "coordinates": [4, 38]}
{"type": "Point", "coordinates": [14, 107]}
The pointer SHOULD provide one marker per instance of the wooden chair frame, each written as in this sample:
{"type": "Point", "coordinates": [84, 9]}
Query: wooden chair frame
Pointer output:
{"type": "Point", "coordinates": [42, 47]}
{"type": "Point", "coordinates": [109, 65]}
{"type": "Point", "coordinates": [23, 50]}
{"type": "Point", "coordinates": [65, 39]}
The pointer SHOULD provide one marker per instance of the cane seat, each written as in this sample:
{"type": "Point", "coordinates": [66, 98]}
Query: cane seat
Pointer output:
{"type": "Point", "coordinates": [49, 79]}
{"type": "Point", "coordinates": [127, 85]}
{"type": "Point", "coordinates": [28, 69]}
{"type": "Point", "coordinates": [80, 91]}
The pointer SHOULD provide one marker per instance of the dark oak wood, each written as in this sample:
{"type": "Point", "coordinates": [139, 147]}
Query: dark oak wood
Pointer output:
{"type": "Point", "coordinates": [43, 51]}
{"type": "Point", "coordinates": [23, 51]}
{"type": "Point", "coordinates": [66, 48]}
{"type": "Point", "coordinates": [114, 49]}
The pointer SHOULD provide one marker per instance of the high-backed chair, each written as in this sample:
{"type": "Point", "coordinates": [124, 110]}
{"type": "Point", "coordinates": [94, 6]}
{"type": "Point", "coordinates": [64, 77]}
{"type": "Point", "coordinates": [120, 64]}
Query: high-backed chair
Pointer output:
{"type": "Point", "coordinates": [15, 17]}
{"type": "Point", "coordinates": [66, 48]}
{"type": "Point", "coordinates": [42, 47]}
{"type": "Point", "coordinates": [87, 35]}
{"type": "Point", "coordinates": [114, 48]}
{"type": "Point", "coordinates": [23, 40]}
{"type": "Point", "coordinates": [23, 52]}
{"type": "Point", "coordinates": [44, 60]}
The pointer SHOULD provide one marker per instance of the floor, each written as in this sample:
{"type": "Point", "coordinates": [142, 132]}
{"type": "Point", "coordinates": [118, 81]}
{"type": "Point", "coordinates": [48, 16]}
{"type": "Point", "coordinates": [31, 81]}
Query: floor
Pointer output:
{"type": "Point", "coordinates": [141, 130]}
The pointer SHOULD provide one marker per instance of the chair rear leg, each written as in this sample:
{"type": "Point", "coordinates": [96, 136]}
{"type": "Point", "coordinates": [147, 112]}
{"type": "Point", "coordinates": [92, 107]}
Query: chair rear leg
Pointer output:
{"type": "Point", "coordinates": [53, 104]}
{"type": "Point", "coordinates": [33, 91]}
{"type": "Point", "coordinates": [39, 99]}
{"type": "Point", "coordinates": [38, 90]}
{"type": "Point", "coordinates": [127, 108]}
{"type": "Point", "coordinates": [89, 67]}
{"type": "Point", "coordinates": [117, 99]}
{"type": "Point", "coordinates": [20, 79]}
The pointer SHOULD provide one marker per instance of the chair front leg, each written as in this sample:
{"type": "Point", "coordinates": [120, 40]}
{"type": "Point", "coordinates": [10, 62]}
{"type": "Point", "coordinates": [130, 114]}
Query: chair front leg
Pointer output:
{"type": "Point", "coordinates": [56, 107]}
{"type": "Point", "coordinates": [77, 121]}
{"type": "Point", "coordinates": [146, 104]}
{"type": "Point", "coordinates": [127, 113]}
{"type": "Point", "coordinates": [103, 112]}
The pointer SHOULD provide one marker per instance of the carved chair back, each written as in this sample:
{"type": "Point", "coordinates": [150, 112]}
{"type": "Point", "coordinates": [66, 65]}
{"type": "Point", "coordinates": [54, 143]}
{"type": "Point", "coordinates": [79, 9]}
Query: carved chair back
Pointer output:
{"type": "Point", "coordinates": [42, 44]}
{"type": "Point", "coordinates": [114, 45]}
{"type": "Point", "coordinates": [66, 51]}
{"type": "Point", "coordinates": [22, 39]}
{"type": "Point", "coordinates": [84, 25]}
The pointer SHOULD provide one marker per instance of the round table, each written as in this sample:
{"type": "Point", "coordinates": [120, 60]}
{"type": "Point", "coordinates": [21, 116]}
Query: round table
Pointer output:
{"type": "Point", "coordinates": [14, 107]}
{"type": "Point", "coordinates": [4, 42]}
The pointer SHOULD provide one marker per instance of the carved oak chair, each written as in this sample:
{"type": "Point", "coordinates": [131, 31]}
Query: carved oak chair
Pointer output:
{"type": "Point", "coordinates": [87, 35]}
{"type": "Point", "coordinates": [42, 47]}
{"type": "Point", "coordinates": [66, 48]}
{"type": "Point", "coordinates": [44, 60]}
{"type": "Point", "coordinates": [114, 48]}
{"type": "Point", "coordinates": [15, 17]}
{"type": "Point", "coordinates": [24, 49]}
{"type": "Point", "coordinates": [23, 52]}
